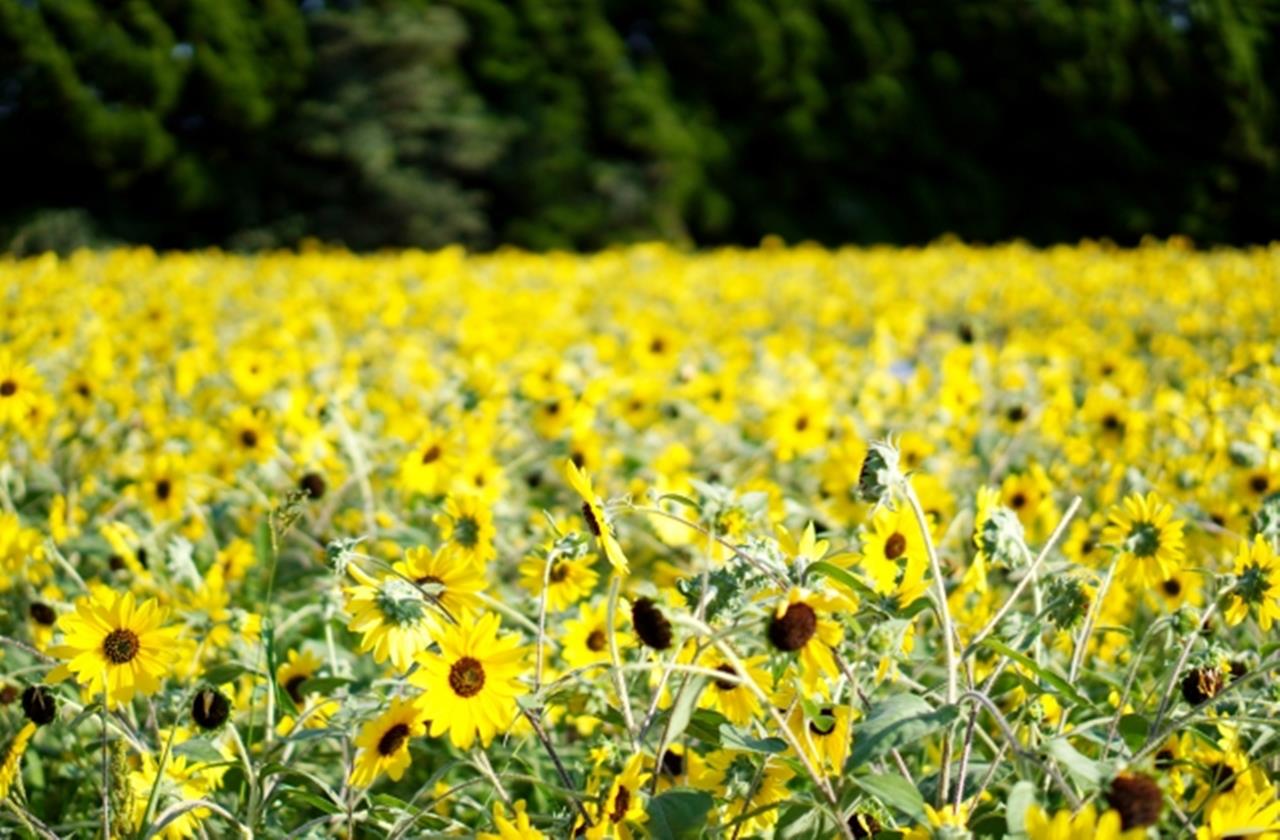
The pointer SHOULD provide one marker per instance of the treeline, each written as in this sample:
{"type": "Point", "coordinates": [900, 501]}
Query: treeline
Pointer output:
{"type": "Point", "coordinates": [578, 123]}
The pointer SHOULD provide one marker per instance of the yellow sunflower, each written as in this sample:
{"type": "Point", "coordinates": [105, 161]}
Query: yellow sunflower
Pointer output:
{"type": "Point", "coordinates": [384, 741]}
{"type": "Point", "coordinates": [893, 545]}
{"type": "Point", "coordinates": [730, 696]}
{"type": "Point", "coordinates": [1086, 825]}
{"type": "Point", "coordinates": [1250, 809]}
{"type": "Point", "coordinates": [473, 682]}
{"type": "Point", "coordinates": [392, 616]}
{"type": "Point", "coordinates": [13, 758]}
{"type": "Point", "coordinates": [466, 525]}
{"type": "Point", "coordinates": [114, 646]}
{"type": "Point", "coordinates": [313, 710]}
{"type": "Point", "coordinates": [517, 827]}
{"type": "Point", "coordinates": [568, 581]}
{"type": "Point", "coordinates": [593, 512]}
{"type": "Point", "coordinates": [446, 576]}
{"type": "Point", "coordinates": [19, 390]}
{"type": "Point", "coordinates": [586, 638]}
{"type": "Point", "coordinates": [799, 625]}
{"type": "Point", "coordinates": [622, 810]}
{"type": "Point", "coordinates": [1147, 538]}
{"type": "Point", "coordinates": [1257, 571]}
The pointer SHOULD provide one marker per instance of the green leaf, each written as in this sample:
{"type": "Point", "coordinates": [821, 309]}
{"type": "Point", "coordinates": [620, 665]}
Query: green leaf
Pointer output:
{"type": "Point", "coordinates": [735, 739]}
{"type": "Point", "coordinates": [219, 674]}
{"type": "Point", "coordinates": [1022, 797]}
{"type": "Point", "coordinates": [894, 791]}
{"type": "Point", "coordinates": [1133, 729]}
{"type": "Point", "coordinates": [895, 722]}
{"type": "Point", "coordinates": [315, 801]}
{"type": "Point", "coordinates": [322, 685]}
{"type": "Point", "coordinates": [841, 576]}
{"type": "Point", "coordinates": [1084, 770]}
{"type": "Point", "coordinates": [1057, 682]}
{"type": "Point", "coordinates": [705, 726]}
{"type": "Point", "coordinates": [199, 750]}
{"type": "Point", "coordinates": [803, 822]}
{"type": "Point", "coordinates": [682, 711]}
{"type": "Point", "coordinates": [676, 497]}
{"type": "Point", "coordinates": [678, 814]}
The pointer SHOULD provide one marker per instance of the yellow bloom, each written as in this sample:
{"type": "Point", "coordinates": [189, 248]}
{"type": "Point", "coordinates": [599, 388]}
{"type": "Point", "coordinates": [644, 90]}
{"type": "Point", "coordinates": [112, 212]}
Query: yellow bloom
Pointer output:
{"type": "Point", "coordinates": [568, 581]}
{"type": "Point", "coordinates": [467, 528]}
{"type": "Point", "coordinates": [1250, 809]}
{"type": "Point", "coordinates": [593, 512]}
{"type": "Point", "coordinates": [622, 810]}
{"type": "Point", "coordinates": [731, 697]}
{"type": "Point", "coordinates": [1257, 571]}
{"type": "Point", "coordinates": [1086, 825]}
{"type": "Point", "coordinates": [384, 741]}
{"type": "Point", "coordinates": [314, 711]}
{"type": "Point", "coordinates": [517, 827]}
{"type": "Point", "coordinates": [473, 682]}
{"type": "Point", "coordinates": [13, 758]}
{"type": "Point", "coordinates": [20, 390]}
{"type": "Point", "coordinates": [1147, 538]}
{"type": "Point", "coordinates": [447, 577]}
{"type": "Point", "coordinates": [391, 615]}
{"type": "Point", "coordinates": [114, 646]}
{"type": "Point", "coordinates": [585, 640]}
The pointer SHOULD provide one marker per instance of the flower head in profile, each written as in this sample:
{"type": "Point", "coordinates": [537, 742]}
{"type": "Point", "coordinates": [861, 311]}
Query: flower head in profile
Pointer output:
{"type": "Point", "coordinates": [392, 616]}
{"type": "Point", "coordinates": [1248, 809]}
{"type": "Point", "coordinates": [384, 741]}
{"type": "Point", "coordinates": [1147, 538]}
{"type": "Point", "coordinates": [473, 681]}
{"type": "Point", "coordinates": [621, 812]}
{"type": "Point", "coordinates": [1087, 824]}
{"type": "Point", "coordinates": [115, 646]}
{"type": "Point", "coordinates": [597, 522]}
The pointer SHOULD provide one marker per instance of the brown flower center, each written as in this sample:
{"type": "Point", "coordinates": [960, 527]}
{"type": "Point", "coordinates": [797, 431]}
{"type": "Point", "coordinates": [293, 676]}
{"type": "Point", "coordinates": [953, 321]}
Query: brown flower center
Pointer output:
{"type": "Point", "coordinates": [163, 489]}
{"type": "Point", "coordinates": [42, 613]}
{"type": "Point", "coordinates": [248, 438]}
{"type": "Point", "coordinates": [466, 677]}
{"type": "Point", "coordinates": [589, 514]}
{"type": "Point", "coordinates": [597, 640]}
{"type": "Point", "coordinates": [1259, 483]}
{"type": "Point", "coordinates": [895, 546]}
{"type": "Point", "coordinates": [120, 646]}
{"type": "Point", "coordinates": [432, 454]}
{"type": "Point", "coordinates": [1138, 799]}
{"type": "Point", "coordinates": [1019, 501]}
{"type": "Point", "coordinates": [726, 685]}
{"type": "Point", "coordinates": [294, 688]}
{"type": "Point", "coordinates": [8, 388]}
{"type": "Point", "coordinates": [559, 571]}
{"type": "Point", "coordinates": [393, 739]}
{"type": "Point", "coordinates": [621, 803]}
{"type": "Point", "coordinates": [795, 628]}
{"type": "Point", "coordinates": [1172, 587]}
{"type": "Point", "coordinates": [672, 763]}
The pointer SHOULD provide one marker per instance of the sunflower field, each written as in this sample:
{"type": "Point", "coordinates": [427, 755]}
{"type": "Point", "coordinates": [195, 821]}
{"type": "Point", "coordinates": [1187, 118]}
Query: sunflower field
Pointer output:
{"type": "Point", "coordinates": [781, 542]}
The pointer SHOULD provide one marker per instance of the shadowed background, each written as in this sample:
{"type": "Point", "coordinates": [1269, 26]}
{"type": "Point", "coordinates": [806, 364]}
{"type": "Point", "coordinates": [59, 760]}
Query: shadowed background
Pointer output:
{"type": "Point", "coordinates": [579, 123]}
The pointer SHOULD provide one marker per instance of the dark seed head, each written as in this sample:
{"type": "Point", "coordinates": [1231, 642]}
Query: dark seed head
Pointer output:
{"type": "Point", "coordinates": [1137, 798]}
{"type": "Point", "coordinates": [559, 571]}
{"type": "Point", "coordinates": [293, 687]}
{"type": "Point", "coordinates": [1019, 501]}
{"type": "Point", "coordinates": [1172, 587]}
{"type": "Point", "coordinates": [39, 704]}
{"type": "Point", "coordinates": [672, 764]}
{"type": "Point", "coordinates": [164, 488]}
{"type": "Point", "coordinates": [1201, 684]}
{"type": "Point", "coordinates": [42, 613]}
{"type": "Point", "coordinates": [965, 333]}
{"type": "Point", "coordinates": [8, 388]}
{"type": "Point", "coordinates": [432, 454]}
{"type": "Point", "coordinates": [393, 739]}
{"type": "Point", "coordinates": [313, 485]}
{"type": "Point", "coordinates": [651, 626]}
{"type": "Point", "coordinates": [210, 708]}
{"type": "Point", "coordinates": [1016, 414]}
{"type": "Point", "coordinates": [1238, 670]}
{"type": "Point", "coordinates": [120, 646]}
{"type": "Point", "coordinates": [589, 514]}
{"type": "Point", "coordinates": [248, 438]}
{"type": "Point", "coordinates": [795, 628]}
{"type": "Point", "coordinates": [8, 694]}
{"type": "Point", "coordinates": [597, 640]}
{"type": "Point", "coordinates": [828, 712]}
{"type": "Point", "coordinates": [1259, 483]}
{"type": "Point", "coordinates": [895, 546]}
{"type": "Point", "coordinates": [864, 825]}
{"type": "Point", "coordinates": [466, 677]}
{"type": "Point", "coordinates": [621, 803]}
{"type": "Point", "coordinates": [116, 562]}
{"type": "Point", "coordinates": [726, 685]}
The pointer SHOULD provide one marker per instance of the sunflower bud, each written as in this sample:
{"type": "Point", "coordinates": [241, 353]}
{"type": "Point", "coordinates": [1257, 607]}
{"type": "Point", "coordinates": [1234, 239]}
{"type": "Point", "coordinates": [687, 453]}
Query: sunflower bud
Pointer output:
{"type": "Point", "coordinates": [39, 704]}
{"type": "Point", "coordinates": [1266, 521]}
{"type": "Point", "coordinates": [210, 708]}
{"type": "Point", "coordinates": [1002, 539]}
{"type": "Point", "coordinates": [879, 472]}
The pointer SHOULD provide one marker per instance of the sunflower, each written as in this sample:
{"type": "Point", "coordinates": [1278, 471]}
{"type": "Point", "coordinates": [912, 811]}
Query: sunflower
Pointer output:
{"type": "Point", "coordinates": [893, 544]}
{"type": "Point", "coordinates": [466, 525]}
{"type": "Point", "coordinates": [1086, 824]}
{"type": "Point", "coordinates": [1257, 571]}
{"type": "Point", "coordinates": [250, 435]}
{"type": "Point", "coordinates": [314, 711]}
{"type": "Point", "coordinates": [586, 638]}
{"type": "Point", "coordinates": [730, 696]}
{"type": "Point", "coordinates": [826, 737]}
{"type": "Point", "coordinates": [593, 512]}
{"type": "Point", "coordinates": [735, 772]}
{"type": "Point", "coordinates": [114, 646]}
{"type": "Point", "coordinates": [162, 489]}
{"type": "Point", "coordinates": [20, 390]}
{"type": "Point", "coordinates": [473, 682]}
{"type": "Point", "coordinates": [13, 758]}
{"type": "Point", "coordinates": [446, 576]}
{"type": "Point", "coordinates": [1249, 809]}
{"type": "Point", "coordinates": [683, 767]}
{"type": "Point", "coordinates": [622, 811]}
{"type": "Point", "coordinates": [430, 465]}
{"type": "Point", "coordinates": [800, 625]}
{"type": "Point", "coordinates": [568, 581]}
{"type": "Point", "coordinates": [384, 741]}
{"type": "Point", "coordinates": [517, 827]}
{"type": "Point", "coordinates": [392, 616]}
{"type": "Point", "coordinates": [1147, 538]}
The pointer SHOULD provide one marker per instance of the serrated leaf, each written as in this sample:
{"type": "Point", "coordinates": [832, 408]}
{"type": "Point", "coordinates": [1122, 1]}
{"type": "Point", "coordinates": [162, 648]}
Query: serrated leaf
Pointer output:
{"type": "Point", "coordinates": [895, 722]}
{"type": "Point", "coordinates": [678, 814]}
{"type": "Point", "coordinates": [894, 791]}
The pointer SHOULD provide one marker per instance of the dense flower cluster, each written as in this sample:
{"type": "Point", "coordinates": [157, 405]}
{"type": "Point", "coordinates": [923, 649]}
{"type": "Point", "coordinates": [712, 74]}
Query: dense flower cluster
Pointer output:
{"type": "Point", "coordinates": [945, 542]}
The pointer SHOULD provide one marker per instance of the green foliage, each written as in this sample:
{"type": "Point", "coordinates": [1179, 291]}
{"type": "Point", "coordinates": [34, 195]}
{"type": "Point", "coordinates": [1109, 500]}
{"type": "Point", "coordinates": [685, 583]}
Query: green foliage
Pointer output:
{"type": "Point", "coordinates": [577, 123]}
